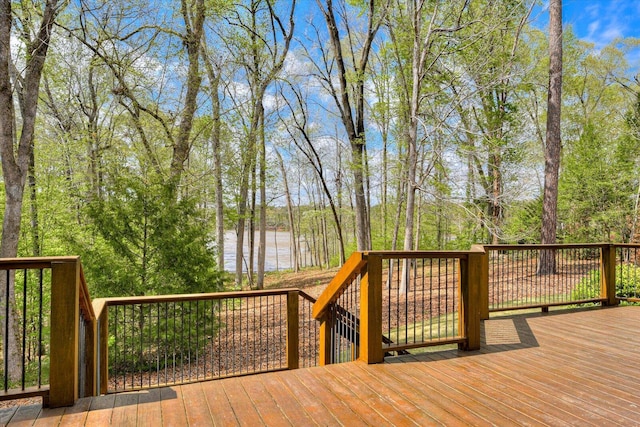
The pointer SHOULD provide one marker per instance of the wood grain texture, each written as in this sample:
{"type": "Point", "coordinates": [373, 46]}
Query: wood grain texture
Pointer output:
{"type": "Point", "coordinates": [561, 368]}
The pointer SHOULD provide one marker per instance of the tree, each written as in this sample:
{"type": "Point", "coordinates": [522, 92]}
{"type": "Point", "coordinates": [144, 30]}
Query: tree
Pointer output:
{"type": "Point", "coordinates": [597, 187]}
{"type": "Point", "coordinates": [103, 31]}
{"type": "Point", "coordinates": [348, 94]}
{"type": "Point", "coordinates": [298, 129]}
{"type": "Point", "coordinates": [260, 46]}
{"type": "Point", "coordinates": [17, 158]}
{"type": "Point", "coordinates": [553, 146]}
{"type": "Point", "coordinates": [484, 96]}
{"type": "Point", "coordinates": [214, 74]}
{"type": "Point", "coordinates": [146, 243]}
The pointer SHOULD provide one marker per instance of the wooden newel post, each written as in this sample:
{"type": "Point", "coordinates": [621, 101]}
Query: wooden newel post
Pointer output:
{"type": "Point", "coordinates": [608, 275]}
{"type": "Point", "coordinates": [65, 319]}
{"type": "Point", "coordinates": [470, 304]}
{"type": "Point", "coordinates": [325, 338]}
{"type": "Point", "coordinates": [484, 280]}
{"type": "Point", "coordinates": [292, 330]}
{"type": "Point", "coordinates": [101, 309]}
{"type": "Point", "coordinates": [371, 311]}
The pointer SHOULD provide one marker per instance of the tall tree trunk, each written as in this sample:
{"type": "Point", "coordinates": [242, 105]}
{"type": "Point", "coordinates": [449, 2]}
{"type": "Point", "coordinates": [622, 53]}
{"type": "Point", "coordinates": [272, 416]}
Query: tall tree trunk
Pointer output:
{"type": "Point", "coordinates": [192, 40]}
{"type": "Point", "coordinates": [553, 146]}
{"type": "Point", "coordinates": [262, 243]}
{"type": "Point", "coordinates": [495, 198]}
{"type": "Point", "coordinates": [251, 235]}
{"type": "Point", "coordinates": [243, 202]}
{"type": "Point", "coordinates": [292, 230]}
{"type": "Point", "coordinates": [260, 74]}
{"type": "Point", "coordinates": [33, 199]}
{"type": "Point", "coordinates": [216, 147]}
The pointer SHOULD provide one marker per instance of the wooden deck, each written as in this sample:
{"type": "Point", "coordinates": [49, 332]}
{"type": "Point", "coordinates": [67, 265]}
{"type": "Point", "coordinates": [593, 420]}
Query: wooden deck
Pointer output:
{"type": "Point", "coordinates": [562, 368]}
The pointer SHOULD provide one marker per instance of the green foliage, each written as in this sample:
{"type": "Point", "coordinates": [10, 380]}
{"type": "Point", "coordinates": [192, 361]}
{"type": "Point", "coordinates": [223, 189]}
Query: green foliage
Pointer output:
{"type": "Point", "coordinates": [523, 222]}
{"type": "Point", "coordinates": [161, 336]}
{"type": "Point", "coordinates": [588, 287]}
{"type": "Point", "coordinates": [145, 242]}
{"type": "Point", "coordinates": [627, 283]}
{"type": "Point", "coordinates": [595, 189]}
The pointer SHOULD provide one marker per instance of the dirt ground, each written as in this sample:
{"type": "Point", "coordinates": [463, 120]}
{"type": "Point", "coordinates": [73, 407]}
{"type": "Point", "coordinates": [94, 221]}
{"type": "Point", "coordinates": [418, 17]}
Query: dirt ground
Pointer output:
{"type": "Point", "coordinates": [312, 280]}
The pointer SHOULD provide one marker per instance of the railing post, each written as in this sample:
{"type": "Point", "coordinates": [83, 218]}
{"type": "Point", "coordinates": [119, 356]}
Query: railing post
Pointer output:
{"type": "Point", "coordinates": [292, 329]}
{"type": "Point", "coordinates": [371, 311]}
{"type": "Point", "coordinates": [325, 338]}
{"type": "Point", "coordinates": [470, 306]}
{"type": "Point", "coordinates": [608, 274]}
{"type": "Point", "coordinates": [101, 309]}
{"type": "Point", "coordinates": [90, 339]}
{"type": "Point", "coordinates": [65, 318]}
{"type": "Point", "coordinates": [91, 348]}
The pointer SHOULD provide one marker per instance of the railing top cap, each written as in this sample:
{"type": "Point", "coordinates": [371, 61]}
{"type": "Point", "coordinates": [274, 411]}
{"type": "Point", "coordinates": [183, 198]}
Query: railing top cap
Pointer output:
{"type": "Point", "coordinates": [34, 262]}
{"type": "Point", "coordinates": [419, 254]}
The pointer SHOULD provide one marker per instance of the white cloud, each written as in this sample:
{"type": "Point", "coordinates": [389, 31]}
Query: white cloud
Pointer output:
{"type": "Point", "coordinates": [612, 32]}
{"type": "Point", "coordinates": [593, 28]}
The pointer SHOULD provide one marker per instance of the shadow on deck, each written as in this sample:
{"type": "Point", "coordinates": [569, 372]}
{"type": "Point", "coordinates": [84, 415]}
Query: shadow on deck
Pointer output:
{"type": "Point", "coordinates": [560, 368]}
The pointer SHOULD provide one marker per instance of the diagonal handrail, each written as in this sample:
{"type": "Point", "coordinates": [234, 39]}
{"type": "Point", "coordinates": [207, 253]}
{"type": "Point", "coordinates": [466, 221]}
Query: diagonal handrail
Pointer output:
{"type": "Point", "coordinates": [343, 278]}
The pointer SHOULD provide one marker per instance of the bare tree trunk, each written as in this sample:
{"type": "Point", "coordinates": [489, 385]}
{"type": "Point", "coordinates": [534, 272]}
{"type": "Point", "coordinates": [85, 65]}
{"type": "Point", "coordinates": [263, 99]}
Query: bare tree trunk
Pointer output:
{"type": "Point", "coordinates": [251, 235]}
{"type": "Point", "coordinates": [33, 198]}
{"type": "Point", "coordinates": [553, 147]}
{"type": "Point", "coordinates": [495, 202]}
{"type": "Point", "coordinates": [192, 41]}
{"type": "Point", "coordinates": [216, 146]}
{"type": "Point", "coordinates": [214, 76]}
{"type": "Point", "coordinates": [262, 244]}
{"type": "Point", "coordinates": [292, 230]}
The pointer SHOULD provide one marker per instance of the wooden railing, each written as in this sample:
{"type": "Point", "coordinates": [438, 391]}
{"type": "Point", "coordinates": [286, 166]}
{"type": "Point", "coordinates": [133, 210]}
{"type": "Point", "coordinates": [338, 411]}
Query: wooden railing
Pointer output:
{"type": "Point", "coordinates": [579, 274]}
{"type": "Point", "coordinates": [43, 289]}
{"type": "Point", "coordinates": [363, 308]}
{"type": "Point", "coordinates": [393, 301]}
{"type": "Point", "coordinates": [626, 274]}
{"type": "Point", "coordinates": [155, 341]}
{"type": "Point", "coordinates": [379, 303]}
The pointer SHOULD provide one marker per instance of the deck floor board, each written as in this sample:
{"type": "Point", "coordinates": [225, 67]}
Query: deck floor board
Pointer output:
{"type": "Point", "coordinates": [560, 368]}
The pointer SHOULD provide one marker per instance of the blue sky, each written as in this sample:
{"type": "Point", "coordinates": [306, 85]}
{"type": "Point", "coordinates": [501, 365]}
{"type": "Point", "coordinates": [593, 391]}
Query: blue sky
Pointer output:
{"type": "Point", "coordinates": [601, 21]}
{"type": "Point", "coordinates": [598, 22]}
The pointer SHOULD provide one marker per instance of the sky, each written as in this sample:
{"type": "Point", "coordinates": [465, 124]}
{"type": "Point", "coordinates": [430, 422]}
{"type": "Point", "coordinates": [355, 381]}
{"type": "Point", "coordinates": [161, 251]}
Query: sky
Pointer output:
{"type": "Point", "coordinates": [600, 21]}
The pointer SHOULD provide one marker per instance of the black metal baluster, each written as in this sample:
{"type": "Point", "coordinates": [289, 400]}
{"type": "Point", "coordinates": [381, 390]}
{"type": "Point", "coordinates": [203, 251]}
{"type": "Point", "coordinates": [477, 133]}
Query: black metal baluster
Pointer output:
{"type": "Point", "coordinates": [24, 330]}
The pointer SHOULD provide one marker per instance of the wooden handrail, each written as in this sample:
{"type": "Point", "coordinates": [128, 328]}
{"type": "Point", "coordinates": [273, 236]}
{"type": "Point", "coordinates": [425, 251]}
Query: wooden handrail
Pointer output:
{"type": "Point", "coordinates": [150, 299]}
{"type": "Point", "coordinates": [33, 263]}
{"type": "Point", "coordinates": [547, 246]}
{"type": "Point", "coordinates": [457, 254]}
{"type": "Point", "coordinates": [351, 268]}
{"type": "Point", "coordinates": [626, 245]}
{"type": "Point", "coordinates": [368, 265]}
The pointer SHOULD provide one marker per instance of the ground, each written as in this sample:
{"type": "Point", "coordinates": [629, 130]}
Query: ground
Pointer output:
{"type": "Point", "coordinates": [312, 280]}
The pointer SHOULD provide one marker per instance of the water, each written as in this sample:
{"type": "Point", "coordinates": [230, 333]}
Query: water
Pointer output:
{"type": "Point", "coordinates": [278, 256]}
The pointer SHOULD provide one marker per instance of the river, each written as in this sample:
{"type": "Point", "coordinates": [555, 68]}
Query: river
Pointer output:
{"type": "Point", "coordinates": [278, 256]}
